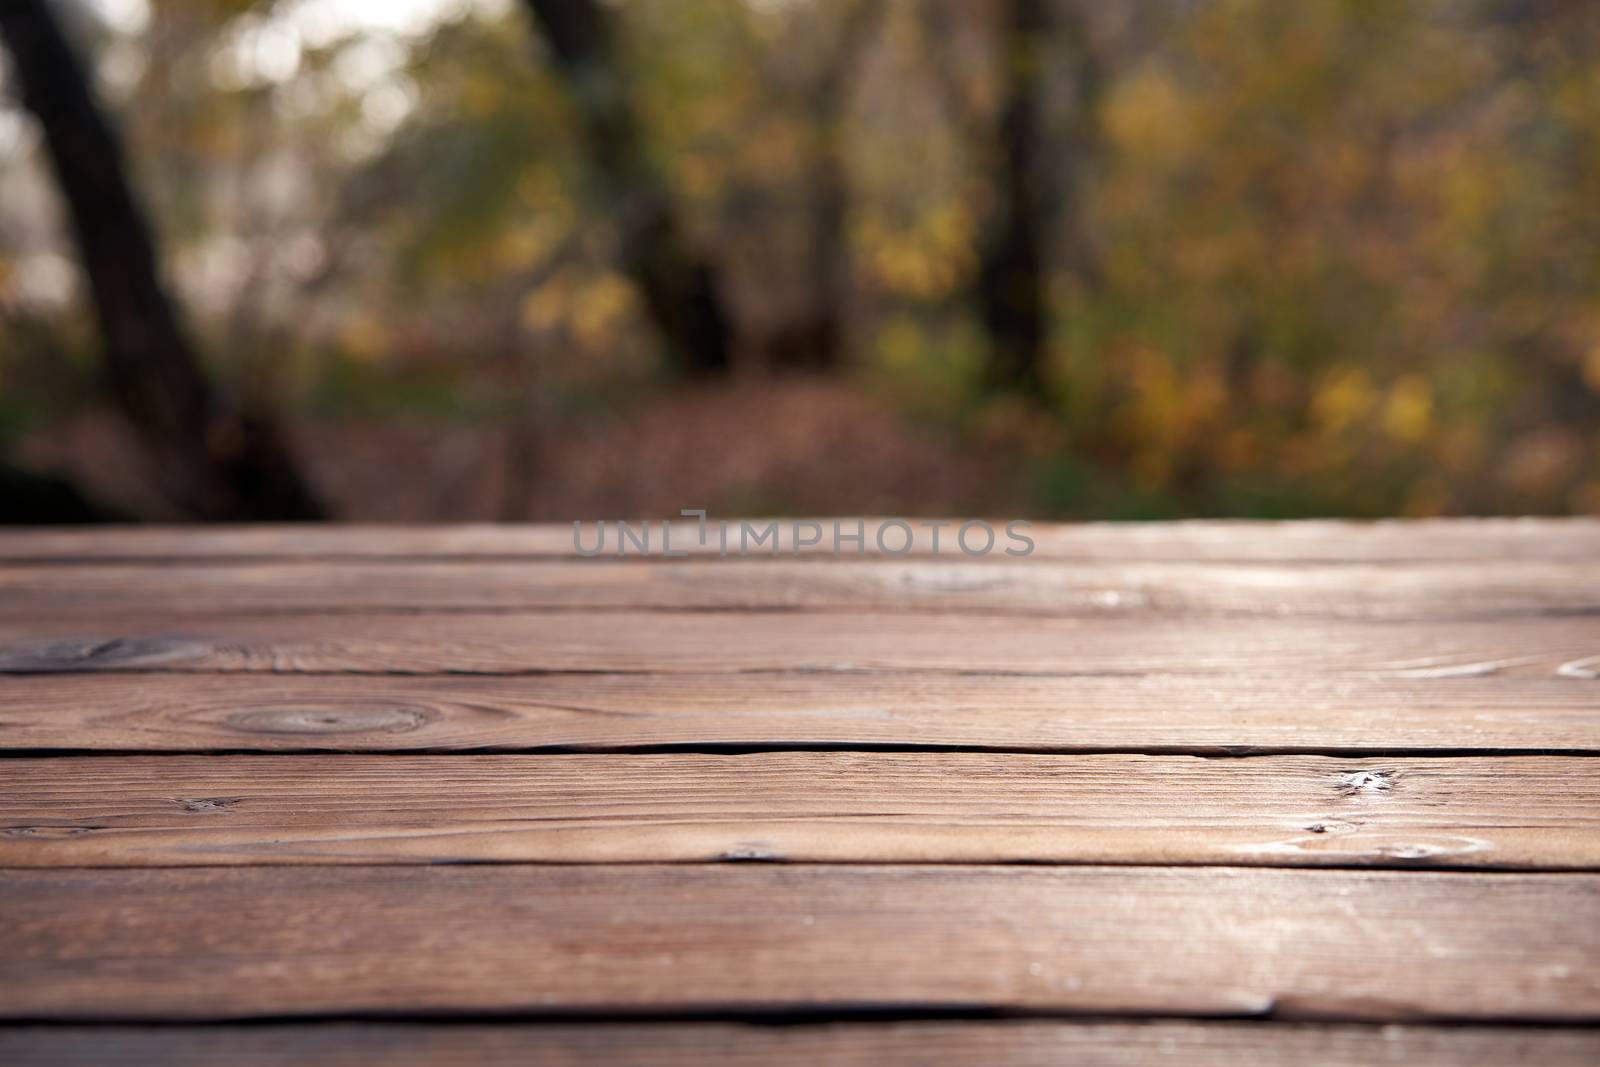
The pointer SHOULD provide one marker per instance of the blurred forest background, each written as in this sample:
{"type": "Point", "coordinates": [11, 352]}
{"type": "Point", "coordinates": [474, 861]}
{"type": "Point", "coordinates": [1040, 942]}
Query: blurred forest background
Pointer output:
{"type": "Point", "coordinates": [552, 259]}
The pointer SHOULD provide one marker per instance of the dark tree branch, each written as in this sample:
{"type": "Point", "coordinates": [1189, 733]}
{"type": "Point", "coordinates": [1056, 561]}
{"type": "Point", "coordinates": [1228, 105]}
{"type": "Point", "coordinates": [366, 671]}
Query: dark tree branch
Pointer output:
{"type": "Point", "coordinates": [1011, 276]}
{"type": "Point", "coordinates": [680, 286]}
{"type": "Point", "coordinates": [218, 463]}
{"type": "Point", "coordinates": [1084, 141]}
{"type": "Point", "coordinates": [817, 341]}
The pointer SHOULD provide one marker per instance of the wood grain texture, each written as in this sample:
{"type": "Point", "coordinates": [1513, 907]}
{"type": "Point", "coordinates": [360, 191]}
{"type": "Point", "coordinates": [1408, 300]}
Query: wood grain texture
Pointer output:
{"type": "Point", "coordinates": [1507, 710]}
{"type": "Point", "coordinates": [1420, 683]}
{"type": "Point", "coordinates": [1301, 541]}
{"type": "Point", "coordinates": [1421, 591]}
{"type": "Point", "coordinates": [697, 642]}
{"type": "Point", "coordinates": [1525, 812]}
{"type": "Point", "coordinates": [1011, 1043]}
{"type": "Point", "coordinates": [217, 943]}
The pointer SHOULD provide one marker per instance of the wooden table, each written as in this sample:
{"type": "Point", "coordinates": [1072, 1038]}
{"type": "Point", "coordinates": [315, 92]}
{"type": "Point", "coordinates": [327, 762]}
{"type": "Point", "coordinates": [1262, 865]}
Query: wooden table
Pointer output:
{"type": "Point", "coordinates": [1203, 793]}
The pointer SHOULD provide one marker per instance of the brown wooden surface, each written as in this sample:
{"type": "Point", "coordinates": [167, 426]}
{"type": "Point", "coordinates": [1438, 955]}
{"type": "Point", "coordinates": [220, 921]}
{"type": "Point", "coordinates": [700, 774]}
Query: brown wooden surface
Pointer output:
{"type": "Point", "coordinates": [1450, 591]}
{"type": "Point", "coordinates": [513, 643]}
{"type": "Point", "coordinates": [215, 943]}
{"type": "Point", "coordinates": [975, 784]}
{"type": "Point", "coordinates": [1526, 812]}
{"type": "Point", "coordinates": [1014, 1043]}
{"type": "Point", "coordinates": [1511, 709]}
{"type": "Point", "coordinates": [1423, 541]}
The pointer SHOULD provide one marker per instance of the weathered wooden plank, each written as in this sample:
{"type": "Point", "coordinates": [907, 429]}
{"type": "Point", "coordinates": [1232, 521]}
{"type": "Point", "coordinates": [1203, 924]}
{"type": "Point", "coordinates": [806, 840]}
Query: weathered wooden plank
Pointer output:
{"type": "Point", "coordinates": [1175, 712]}
{"type": "Point", "coordinates": [1010, 1043]}
{"type": "Point", "coordinates": [1526, 812]}
{"type": "Point", "coordinates": [1452, 591]}
{"type": "Point", "coordinates": [800, 641]}
{"type": "Point", "coordinates": [216, 943]}
{"type": "Point", "coordinates": [1318, 541]}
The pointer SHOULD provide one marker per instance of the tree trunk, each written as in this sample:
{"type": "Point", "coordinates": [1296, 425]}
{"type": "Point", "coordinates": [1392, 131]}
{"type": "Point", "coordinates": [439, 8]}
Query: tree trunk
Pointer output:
{"type": "Point", "coordinates": [679, 284]}
{"type": "Point", "coordinates": [218, 463]}
{"type": "Point", "coordinates": [33, 499]}
{"type": "Point", "coordinates": [1011, 276]}
{"type": "Point", "coordinates": [819, 339]}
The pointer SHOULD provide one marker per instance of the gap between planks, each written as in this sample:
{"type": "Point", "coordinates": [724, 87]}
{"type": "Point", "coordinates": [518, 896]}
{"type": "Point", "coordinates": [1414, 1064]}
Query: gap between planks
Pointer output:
{"type": "Point", "coordinates": [1531, 813]}
{"type": "Point", "coordinates": [924, 1043]}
